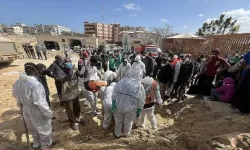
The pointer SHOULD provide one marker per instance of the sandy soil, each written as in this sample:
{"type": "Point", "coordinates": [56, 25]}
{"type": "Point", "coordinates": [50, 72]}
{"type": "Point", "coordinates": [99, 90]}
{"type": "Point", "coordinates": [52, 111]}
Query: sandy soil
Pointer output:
{"type": "Point", "coordinates": [191, 125]}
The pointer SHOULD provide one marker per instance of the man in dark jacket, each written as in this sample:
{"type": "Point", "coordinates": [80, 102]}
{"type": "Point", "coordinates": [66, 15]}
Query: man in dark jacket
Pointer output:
{"type": "Point", "coordinates": [55, 71]}
{"type": "Point", "coordinates": [42, 79]}
{"type": "Point", "coordinates": [166, 75]}
{"type": "Point", "coordinates": [184, 78]}
{"type": "Point", "coordinates": [149, 63]}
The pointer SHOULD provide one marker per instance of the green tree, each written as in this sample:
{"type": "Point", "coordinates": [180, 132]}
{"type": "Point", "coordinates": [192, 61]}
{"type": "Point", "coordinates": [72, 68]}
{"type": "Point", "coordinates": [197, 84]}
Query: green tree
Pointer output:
{"type": "Point", "coordinates": [219, 27]}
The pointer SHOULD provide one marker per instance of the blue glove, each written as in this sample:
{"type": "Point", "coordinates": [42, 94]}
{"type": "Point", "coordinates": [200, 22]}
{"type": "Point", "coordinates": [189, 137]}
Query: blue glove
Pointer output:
{"type": "Point", "coordinates": [113, 106]}
{"type": "Point", "coordinates": [138, 112]}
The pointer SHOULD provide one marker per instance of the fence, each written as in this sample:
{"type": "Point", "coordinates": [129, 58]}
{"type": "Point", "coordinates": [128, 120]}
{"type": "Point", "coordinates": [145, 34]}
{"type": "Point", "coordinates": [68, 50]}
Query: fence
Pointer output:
{"type": "Point", "coordinates": [228, 44]}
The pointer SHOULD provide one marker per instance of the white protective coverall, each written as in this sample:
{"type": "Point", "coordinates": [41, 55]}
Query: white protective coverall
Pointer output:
{"type": "Point", "coordinates": [30, 93]}
{"type": "Point", "coordinates": [106, 94]}
{"type": "Point", "coordinates": [139, 63]}
{"type": "Point", "coordinates": [147, 82]}
{"type": "Point", "coordinates": [129, 95]}
{"type": "Point", "coordinates": [90, 96]}
{"type": "Point", "coordinates": [109, 76]}
{"type": "Point", "coordinates": [123, 70]}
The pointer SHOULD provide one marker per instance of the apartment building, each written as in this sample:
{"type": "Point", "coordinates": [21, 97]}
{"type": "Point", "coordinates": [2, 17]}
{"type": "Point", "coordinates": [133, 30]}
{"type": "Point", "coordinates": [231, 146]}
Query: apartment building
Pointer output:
{"type": "Point", "coordinates": [128, 28]}
{"type": "Point", "coordinates": [17, 30]}
{"type": "Point", "coordinates": [138, 37]}
{"type": "Point", "coordinates": [12, 30]}
{"type": "Point", "coordinates": [51, 29]}
{"type": "Point", "coordinates": [106, 32]}
{"type": "Point", "coordinates": [29, 30]}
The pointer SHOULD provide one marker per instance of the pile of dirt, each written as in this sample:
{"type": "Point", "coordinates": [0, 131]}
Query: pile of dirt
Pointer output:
{"type": "Point", "coordinates": [192, 125]}
{"type": "Point", "coordinates": [197, 122]}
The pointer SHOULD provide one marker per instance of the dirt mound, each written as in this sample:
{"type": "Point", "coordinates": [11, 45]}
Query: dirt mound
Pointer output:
{"type": "Point", "coordinates": [196, 122]}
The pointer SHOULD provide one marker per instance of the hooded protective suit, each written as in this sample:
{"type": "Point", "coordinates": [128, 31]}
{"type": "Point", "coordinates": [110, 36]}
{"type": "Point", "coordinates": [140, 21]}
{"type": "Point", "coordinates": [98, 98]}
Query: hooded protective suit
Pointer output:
{"type": "Point", "coordinates": [90, 96]}
{"type": "Point", "coordinates": [109, 76]}
{"type": "Point", "coordinates": [129, 95]}
{"type": "Point", "coordinates": [123, 70]}
{"type": "Point", "coordinates": [30, 93]}
{"type": "Point", "coordinates": [106, 94]}
{"type": "Point", "coordinates": [153, 95]}
{"type": "Point", "coordinates": [139, 63]}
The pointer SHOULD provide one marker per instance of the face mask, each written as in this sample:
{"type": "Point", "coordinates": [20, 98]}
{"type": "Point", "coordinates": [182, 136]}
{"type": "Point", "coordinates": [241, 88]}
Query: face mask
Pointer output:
{"type": "Point", "coordinates": [68, 65]}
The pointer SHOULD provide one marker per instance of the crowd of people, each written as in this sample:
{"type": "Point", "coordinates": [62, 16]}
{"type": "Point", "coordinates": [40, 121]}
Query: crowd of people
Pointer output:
{"type": "Point", "coordinates": [129, 84]}
{"type": "Point", "coordinates": [37, 53]}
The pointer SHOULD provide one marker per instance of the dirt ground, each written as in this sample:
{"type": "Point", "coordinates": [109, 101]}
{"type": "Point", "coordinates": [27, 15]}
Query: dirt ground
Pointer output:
{"type": "Point", "coordinates": [190, 126]}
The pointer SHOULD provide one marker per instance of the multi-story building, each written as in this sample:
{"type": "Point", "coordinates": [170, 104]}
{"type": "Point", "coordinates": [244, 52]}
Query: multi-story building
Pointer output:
{"type": "Point", "coordinates": [106, 32]}
{"type": "Point", "coordinates": [18, 30]}
{"type": "Point", "coordinates": [61, 29]}
{"type": "Point", "coordinates": [138, 37]}
{"type": "Point", "coordinates": [29, 30]}
{"type": "Point", "coordinates": [8, 29]}
{"type": "Point", "coordinates": [128, 28]}
{"type": "Point", "coordinates": [20, 24]}
{"type": "Point", "coordinates": [12, 29]}
{"type": "Point", "coordinates": [51, 29]}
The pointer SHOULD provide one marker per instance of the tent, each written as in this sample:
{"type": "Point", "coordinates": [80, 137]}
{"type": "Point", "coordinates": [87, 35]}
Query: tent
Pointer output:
{"type": "Point", "coordinates": [186, 36]}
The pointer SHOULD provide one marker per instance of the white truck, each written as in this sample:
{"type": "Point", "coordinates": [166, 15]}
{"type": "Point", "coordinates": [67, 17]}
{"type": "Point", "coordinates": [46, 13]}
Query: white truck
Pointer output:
{"type": "Point", "coordinates": [8, 51]}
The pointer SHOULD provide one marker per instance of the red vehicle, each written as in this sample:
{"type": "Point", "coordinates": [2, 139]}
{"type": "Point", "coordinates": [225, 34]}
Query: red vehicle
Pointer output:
{"type": "Point", "coordinates": [148, 48]}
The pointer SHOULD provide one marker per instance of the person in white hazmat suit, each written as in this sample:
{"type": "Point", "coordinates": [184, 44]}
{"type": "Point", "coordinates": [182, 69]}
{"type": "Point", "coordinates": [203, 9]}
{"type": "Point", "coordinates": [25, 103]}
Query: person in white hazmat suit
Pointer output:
{"type": "Point", "coordinates": [153, 96]}
{"type": "Point", "coordinates": [128, 99]}
{"type": "Point", "coordinates": [123, 69]}
{"type": "Point", "coordinates": [106, 96]}
{"type": "Point", "coordinates": [138, 62]}
{"type": "Point", "coordinates": [91, 74]}
{"type": "Point", "coordinates": [106, 93]}
{"type": "Point", "coordinates": [30, 95]}
{"type": "Point", "coordinates": [108, 76]}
